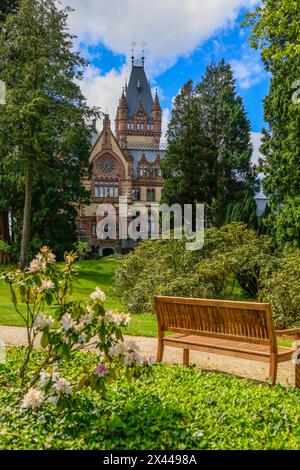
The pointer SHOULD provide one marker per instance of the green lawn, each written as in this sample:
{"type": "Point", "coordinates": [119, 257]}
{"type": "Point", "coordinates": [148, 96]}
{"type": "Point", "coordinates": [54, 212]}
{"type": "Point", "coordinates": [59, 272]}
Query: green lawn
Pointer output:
{"type": "Point", "coordinates": [101, 273]}
{"type": "Point", "coordinates": [92, 274]}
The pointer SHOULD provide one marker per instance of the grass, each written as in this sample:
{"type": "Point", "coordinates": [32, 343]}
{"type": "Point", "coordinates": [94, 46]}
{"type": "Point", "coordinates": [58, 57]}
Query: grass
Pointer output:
{"type": "Point", "coordinates": [101, 273]}
{"type": "Point", "coordinates": [175, 408]}
{"type": "Point", "coordinates": [92, 274]}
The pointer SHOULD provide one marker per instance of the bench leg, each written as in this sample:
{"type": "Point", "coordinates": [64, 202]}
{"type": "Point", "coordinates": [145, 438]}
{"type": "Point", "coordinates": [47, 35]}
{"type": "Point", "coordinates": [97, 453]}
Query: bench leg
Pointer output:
{"type": "Point", "coordinates": [186, 357]}
{"type": "Point", "coordinates": [160, 351]}
{"type": "Point", "coordinates": [297, 375]}
{"type": "Point", "coordinates": [273, 369]}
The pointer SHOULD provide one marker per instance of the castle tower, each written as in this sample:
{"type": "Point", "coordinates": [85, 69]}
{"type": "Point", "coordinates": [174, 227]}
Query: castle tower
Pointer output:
{"type": "Point", "coordinates": [139, 118]}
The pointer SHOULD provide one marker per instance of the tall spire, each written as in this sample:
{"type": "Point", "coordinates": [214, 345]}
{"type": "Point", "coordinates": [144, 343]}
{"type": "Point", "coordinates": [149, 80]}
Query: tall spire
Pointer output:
{"type": "Point", "coordinates": [156, 104]}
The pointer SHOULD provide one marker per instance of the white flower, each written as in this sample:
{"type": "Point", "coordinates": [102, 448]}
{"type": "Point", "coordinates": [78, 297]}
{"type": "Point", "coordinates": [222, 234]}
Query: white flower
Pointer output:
{"type": "Point", "coordinates": [47, 284]}
{"type": "Point", "coordinates": [123, 348]}
{"type": "Point", "coordinates": [61, 386]}
{"type": "Point", "coordinates": [67, 322]}
{"type": "Point", "coordinates": [134, 358]}
{"type": "Point", "coordinates": [98, 295]}
{"type": "Point", "coordinates": [33, 399]}
{"type": "Point", "coordinates": [132, 346]}
{"type": "Point", "coordinates": [35, 266]}
{"type": "Point", "coordinates": [53, 399]}
{"type": "Point", "coordinates": [87, 319]}
{"type": "Point", "coordinates": [119, 319]}
{"type": "Point", "coordinates": [42, 321]}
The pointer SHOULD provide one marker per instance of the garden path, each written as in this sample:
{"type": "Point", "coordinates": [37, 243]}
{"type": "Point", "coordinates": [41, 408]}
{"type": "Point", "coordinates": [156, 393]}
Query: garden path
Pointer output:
{"type": "Point", "coordinates": [16, 336]}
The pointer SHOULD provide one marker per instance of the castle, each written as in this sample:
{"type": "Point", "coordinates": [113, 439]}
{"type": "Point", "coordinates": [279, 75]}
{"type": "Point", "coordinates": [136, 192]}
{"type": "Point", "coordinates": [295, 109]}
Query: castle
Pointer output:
{"type": "Point", "coordinates": [125, 163]}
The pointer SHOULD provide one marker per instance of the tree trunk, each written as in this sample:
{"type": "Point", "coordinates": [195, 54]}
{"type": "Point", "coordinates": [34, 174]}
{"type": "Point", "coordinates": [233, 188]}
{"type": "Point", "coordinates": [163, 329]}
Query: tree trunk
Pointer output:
{"type": "Point", "coordinates": [4, 235]}
{"type": "Point", "coordinates": [26, 218]}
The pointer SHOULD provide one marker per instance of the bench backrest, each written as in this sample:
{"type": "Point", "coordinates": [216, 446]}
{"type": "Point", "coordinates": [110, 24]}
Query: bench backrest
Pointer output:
{"type": "Point", "coordinates": [236, 320]}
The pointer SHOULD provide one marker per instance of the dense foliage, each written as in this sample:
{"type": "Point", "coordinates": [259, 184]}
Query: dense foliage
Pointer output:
{"type": "Point", "coordinates": [211, 272]}
{"type": "Point", "coordinates": [72, 326]}
{"type": "Point", "coordinates": [232, 256]}
{"type": "Point", "coordinates": [177, 408]}
{"type": "Point", "coordinates": [208, 159]}
{"type": "Point", "coordinates": [276, 31]}
{"type": "Point", "coordinates": [45, 128]}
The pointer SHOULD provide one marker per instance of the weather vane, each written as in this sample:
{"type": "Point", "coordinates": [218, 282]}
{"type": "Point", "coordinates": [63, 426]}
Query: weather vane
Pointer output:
{"type": "Point", "coordinates": [144, 44]}
{"type": "Point", "coordinates": [133, 44]}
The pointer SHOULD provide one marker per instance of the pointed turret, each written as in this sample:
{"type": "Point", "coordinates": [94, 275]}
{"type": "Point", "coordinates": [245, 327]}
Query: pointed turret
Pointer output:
{"type": "Point", "coordinates": [123, 102]}
{"type": "Point", "coordinates": [122, 115]}
{"type": "Point", "coordinates": [156, 104]}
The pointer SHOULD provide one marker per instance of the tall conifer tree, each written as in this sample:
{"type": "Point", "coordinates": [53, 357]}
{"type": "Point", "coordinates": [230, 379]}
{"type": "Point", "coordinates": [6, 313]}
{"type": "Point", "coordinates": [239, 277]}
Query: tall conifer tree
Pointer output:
{"type": "Point", "coordinates": [45, 125]}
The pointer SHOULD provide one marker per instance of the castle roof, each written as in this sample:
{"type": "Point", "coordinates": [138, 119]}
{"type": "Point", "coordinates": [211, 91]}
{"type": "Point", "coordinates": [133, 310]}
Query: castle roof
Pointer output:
{"type": "Point", "coordinates": [156, 104]}
{"type": "Point", "coordinates": [139, 92]}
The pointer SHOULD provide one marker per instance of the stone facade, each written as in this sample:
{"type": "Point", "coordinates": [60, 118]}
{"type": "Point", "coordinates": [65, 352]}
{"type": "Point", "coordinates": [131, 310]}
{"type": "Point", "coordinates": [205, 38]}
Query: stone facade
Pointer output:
{"type": "Point", "coordinates": [126, 163]}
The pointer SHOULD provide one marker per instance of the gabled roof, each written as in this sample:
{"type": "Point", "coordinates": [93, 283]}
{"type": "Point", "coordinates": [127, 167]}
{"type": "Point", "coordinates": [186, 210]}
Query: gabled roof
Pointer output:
{"type": "Point", "coordinates": [139, 92]}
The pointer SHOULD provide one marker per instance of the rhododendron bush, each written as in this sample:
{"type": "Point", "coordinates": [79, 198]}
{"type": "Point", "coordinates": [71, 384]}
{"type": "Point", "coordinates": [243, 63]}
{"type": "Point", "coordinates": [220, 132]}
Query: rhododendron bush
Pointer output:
{"type": "Point", "coordinates": [70, 326]}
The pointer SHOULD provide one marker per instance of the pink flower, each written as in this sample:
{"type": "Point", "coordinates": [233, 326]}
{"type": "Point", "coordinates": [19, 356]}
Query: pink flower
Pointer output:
{"type": "Point", "coordinates": [101, 370]}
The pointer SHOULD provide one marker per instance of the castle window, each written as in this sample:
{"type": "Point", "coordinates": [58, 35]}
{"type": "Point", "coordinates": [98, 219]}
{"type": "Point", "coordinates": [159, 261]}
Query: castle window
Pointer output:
{"type": "Point", "coordinates": [105, 188]}
{"type": "Point", "coordinates": [142, 127]}
{"type": "Point", "coordinates": [99, 188]}
{"type": "Point", "coordinates": [148, 127]}
{"type": "Point", "coordinates": [94, 227]}
{"type": "Point", "coordinates": [136, 194]}
{"type": "Point", "coordinates": [157, 172]}
{"type": "Point", "coordinates": [151, 195]}
{"type": "Point", "coordinates": [129, 126]}
{"type": "Point", "coordinates": [138, 127]}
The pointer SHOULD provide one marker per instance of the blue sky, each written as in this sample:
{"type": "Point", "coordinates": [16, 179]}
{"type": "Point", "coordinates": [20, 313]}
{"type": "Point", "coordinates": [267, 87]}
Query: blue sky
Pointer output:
{"type": "Point", "coordinates": [182, 38]}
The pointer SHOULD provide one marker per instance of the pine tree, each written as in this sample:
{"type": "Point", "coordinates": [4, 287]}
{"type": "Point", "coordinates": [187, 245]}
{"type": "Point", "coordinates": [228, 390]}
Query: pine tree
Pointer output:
{"type": "Point", "coordinates": [227, 127]}
{"type": "Point", "coordinates": [45, 125]}
{"type": "Point", "coordinates": [276, 30]}
{"type": "Point", "coordinates": [189, 166]}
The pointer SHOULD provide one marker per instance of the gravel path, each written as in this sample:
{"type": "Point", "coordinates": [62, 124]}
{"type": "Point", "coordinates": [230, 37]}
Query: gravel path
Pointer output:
{"type": "Point", "coordinates": [16, 336]}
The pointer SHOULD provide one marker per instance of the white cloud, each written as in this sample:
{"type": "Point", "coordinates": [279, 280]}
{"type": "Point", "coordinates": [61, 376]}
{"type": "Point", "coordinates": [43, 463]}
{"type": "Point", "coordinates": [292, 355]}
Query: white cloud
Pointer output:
{"type": "Point", "coordinates": [169, 27]}
{"type": "Point", "coordinates": [104, 90]}
{"type": "Point", "coordinates": [248, 71]}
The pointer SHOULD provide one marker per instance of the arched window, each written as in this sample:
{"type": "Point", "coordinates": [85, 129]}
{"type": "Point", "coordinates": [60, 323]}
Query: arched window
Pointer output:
{"type": "Point", "coordinates": [151, 195]}
{"type": "Point", "coordinates": [142, 127]}
{"type": "Point", "coordinates": [136, 194]}
{"type": "Point", "coordinates": [94, 227]}
{"type": "Point", "coordinates": [138, 126]}
{"type": "Point", "coordinates": [105, 188]}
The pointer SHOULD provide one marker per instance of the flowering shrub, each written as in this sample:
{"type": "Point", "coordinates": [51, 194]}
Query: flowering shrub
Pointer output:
{"type": "Point", "coordinates": [71, 326]}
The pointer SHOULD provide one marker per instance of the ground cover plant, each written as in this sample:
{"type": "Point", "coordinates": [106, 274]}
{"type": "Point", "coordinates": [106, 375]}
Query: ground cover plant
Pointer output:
{"type": "Point", "coordinates": [73, 326]}
{"type": "Point", "coordinates": [174, 408]}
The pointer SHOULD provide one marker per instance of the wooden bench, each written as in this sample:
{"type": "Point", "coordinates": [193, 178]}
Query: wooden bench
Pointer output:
{"type": "Point", "coordinates": [238, 329]}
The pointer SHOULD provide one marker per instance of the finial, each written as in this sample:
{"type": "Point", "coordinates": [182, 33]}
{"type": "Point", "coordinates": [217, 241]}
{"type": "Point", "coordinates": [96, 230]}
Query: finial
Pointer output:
{"type": "Point", "coordinates": [133, 44]}
{"type": "Point", "coordinates": [143, 52]}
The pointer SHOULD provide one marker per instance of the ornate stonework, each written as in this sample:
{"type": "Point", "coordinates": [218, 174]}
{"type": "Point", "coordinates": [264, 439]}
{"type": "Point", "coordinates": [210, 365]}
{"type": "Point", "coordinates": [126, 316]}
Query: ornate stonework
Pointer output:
{"type": "Point", "coordinates": [127, 163]}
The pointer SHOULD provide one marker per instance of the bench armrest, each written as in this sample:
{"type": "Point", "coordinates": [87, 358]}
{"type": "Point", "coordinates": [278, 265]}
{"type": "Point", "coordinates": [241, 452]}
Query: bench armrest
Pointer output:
{"type": "Point", "coordinates": [290, 332]}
